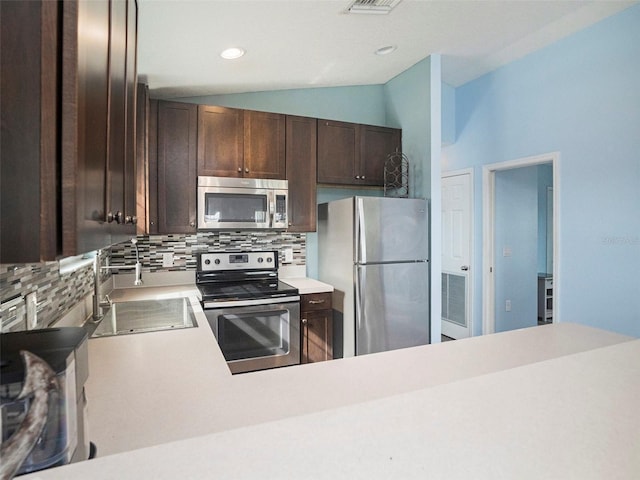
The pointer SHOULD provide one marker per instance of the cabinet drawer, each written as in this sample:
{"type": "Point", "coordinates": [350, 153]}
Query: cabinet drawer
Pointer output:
{"type": "Point", "coordinates": [315, 301]}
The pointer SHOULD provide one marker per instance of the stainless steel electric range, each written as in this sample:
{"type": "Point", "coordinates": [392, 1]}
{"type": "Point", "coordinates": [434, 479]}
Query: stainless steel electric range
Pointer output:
{"type": "Point", "coordinates": [254, 316]}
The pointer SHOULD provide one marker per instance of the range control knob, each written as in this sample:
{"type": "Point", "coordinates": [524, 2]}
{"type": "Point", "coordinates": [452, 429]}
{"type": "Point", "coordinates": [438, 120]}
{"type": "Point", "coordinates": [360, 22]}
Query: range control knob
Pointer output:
{"type": "Point", "coordinates": [260, 259]}
{"type": "Point", "coordinates": [207, 262]}
{"type": "Point", "coordinates": [269, 260]}
{"type": "Point", "coordinates": [217, 261]}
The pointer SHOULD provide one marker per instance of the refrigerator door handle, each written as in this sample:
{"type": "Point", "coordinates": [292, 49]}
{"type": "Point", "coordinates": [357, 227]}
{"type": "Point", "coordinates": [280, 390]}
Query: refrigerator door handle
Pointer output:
{"type": "Point", "coordinates": [360, 288]}
{"type": "Point", "coordinates": [361, 239]}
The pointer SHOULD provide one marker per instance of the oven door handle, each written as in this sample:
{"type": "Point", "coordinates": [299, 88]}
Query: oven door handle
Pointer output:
{"type": "Point", "coordinates": [249, 302]}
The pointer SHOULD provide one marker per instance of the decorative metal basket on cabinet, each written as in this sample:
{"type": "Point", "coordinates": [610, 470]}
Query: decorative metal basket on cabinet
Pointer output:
{"type": "Point", "coordinates": [396, 175]}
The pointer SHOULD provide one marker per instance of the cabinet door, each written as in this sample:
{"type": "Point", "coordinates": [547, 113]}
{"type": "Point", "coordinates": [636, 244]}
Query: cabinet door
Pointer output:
{"type": "Point", "coordinates": [317, 335]}
{"type": "Point", "coordinates": [142, 159]}
{"type": "Point", "coordinates": [264, 145]}
{"type": "Point", "coordinates": [177, 137]}
{"type": "Point", "coordinates": [85, 113]}
{"type": "Point", "coordinates": [220, 141]}
{"type": "Point", "coordinates": [117, 119]}
{"type": "Point", "coordinates": [130, 178]}
{"type": "Point", "coordinates": [338, 152]}
{"type": "Point", "coordinates": [152, 168]}
{"type": "Point", "coordinates": [301, 173]}
{"type": "Point", "coordinates": [29, 142]}
{"type": "Point", "coordinates": [375, 144]}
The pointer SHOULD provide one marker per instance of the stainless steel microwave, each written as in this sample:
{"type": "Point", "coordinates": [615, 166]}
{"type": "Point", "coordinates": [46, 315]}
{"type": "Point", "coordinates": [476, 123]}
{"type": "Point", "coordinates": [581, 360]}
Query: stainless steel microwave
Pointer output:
{"type": "Point", "coordinates": [226, 203]}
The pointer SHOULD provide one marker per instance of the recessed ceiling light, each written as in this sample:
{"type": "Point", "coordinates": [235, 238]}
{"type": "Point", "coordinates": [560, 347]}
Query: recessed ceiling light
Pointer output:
{"type": "Point", "coordinates": [231, 53]}
{"type": "Point", "coordinates": [386, 50]}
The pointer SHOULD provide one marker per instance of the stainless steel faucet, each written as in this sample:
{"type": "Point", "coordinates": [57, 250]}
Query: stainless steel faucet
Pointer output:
{"type": "Point", "coordinates": [100, 304]}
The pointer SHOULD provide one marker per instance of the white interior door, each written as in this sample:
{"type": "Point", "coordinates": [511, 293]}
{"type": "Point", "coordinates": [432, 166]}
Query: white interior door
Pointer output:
{"type": "Point", "coordinates": [456, 255]}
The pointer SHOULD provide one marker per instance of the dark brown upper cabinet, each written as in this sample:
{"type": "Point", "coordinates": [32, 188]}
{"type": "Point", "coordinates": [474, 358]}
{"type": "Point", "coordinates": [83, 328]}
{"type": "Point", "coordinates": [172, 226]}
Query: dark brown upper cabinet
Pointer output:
{"type": "Point", "coordinates": [30, 137]}
{"type": "Point", "coordinates": [220, 141]}
{"type": "Point", "coordinates": [264, 145]}
{"type": "Point", "coordinates": [240, 143]}
{"type": "Point", "coordinates": [338, 152]}
{"type": "Point", "coordinates": [121, 166]}
{"type": "Point", "coordinates": [354, 154]}
{"type": "Point", "coordinates": [98, 98]}
{"type": "Point", "coordinates": [301, 172]}
{"type": "Point", "coordinates": [376, 143]}
{"type": "Point", "coordinates": [175, 201]}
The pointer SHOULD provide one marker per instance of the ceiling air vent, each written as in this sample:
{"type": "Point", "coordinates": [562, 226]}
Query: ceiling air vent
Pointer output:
{"type": "Point", "coordinates": [373, 6]}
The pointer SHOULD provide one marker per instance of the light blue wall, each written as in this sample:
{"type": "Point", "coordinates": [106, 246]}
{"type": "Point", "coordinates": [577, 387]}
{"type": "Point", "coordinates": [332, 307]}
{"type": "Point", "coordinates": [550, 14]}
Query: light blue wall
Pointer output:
{"type": "Point", "coordinates": [361, 104]}
{"type": "Point", "coordinates": [414, 103]}
{"type": "Point", "coordinates": [516, 197]}
{"type": "Point", "coordinates": [579, 97]}
{"type": "Point", "coordinates": [448, 114]}
{"type": "Point", "coordinates": [408, 105]}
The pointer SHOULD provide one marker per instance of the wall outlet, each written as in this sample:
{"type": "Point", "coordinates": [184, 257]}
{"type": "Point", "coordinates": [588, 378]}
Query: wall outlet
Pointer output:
{"type": "Point", "coordinates": [507, 305]}
{"type": "Point", "coordinates": [167, 259]}
{"type": "Point", "coordinates": [288, 255]}
{"type": "Point", "coordinates": [32, 310]}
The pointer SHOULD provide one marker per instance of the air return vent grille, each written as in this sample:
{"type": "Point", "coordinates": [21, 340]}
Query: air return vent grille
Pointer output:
{"type": "Point", "coordinates": [373, 6]}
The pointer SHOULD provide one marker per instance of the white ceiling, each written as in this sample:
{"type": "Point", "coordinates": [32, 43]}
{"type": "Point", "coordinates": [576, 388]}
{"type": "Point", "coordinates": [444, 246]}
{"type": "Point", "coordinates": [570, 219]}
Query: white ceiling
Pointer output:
{"type": "Point", "coordinates": [314, 43]}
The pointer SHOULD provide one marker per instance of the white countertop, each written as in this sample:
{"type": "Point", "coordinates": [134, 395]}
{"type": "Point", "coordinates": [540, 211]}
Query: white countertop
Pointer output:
{"type": "Point", "coordinates": [295, 275]}
{"type": "Point", "coordinates": [308, 285]}
{"type": "Point", "coordinates": [486, 405]}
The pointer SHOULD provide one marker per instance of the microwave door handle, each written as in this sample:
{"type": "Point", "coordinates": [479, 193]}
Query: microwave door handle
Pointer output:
{"type": "Point", "coordinates": [272, 208]}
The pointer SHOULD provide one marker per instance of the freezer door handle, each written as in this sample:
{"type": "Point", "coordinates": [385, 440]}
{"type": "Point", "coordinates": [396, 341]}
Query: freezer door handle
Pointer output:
{"type": "Point", "coordinates": [361, 239]}
{"type": "Point", "coordinates": [360, 288]}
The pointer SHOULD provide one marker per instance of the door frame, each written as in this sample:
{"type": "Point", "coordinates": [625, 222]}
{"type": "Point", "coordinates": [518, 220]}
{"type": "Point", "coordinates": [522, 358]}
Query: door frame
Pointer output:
{"type": "Point", "coordinates": [488, 232]}
{"type": "Point", "coordinates": [470, 272]}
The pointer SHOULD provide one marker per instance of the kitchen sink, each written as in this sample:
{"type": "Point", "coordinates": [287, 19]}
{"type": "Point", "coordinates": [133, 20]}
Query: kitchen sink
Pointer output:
{"type": "Point", "coordinates": [141, 316]}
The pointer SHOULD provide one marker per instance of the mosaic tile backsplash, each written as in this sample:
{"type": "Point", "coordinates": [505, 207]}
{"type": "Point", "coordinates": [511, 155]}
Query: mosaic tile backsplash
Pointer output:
{"type": "Point", "coordinates": [185, 248]}
{"type": "Point", "coordinates": [58, 293]}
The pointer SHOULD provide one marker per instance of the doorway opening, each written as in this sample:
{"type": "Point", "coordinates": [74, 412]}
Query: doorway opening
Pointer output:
{"type": "Point", "coordinates": [520, 248]}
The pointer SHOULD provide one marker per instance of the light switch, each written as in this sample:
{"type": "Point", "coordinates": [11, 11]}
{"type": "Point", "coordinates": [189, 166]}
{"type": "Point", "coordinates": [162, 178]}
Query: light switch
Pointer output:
{"type": "Point", "coordinates": [507, 305]}
{"type": "Point", "coordinates": [506, 251]}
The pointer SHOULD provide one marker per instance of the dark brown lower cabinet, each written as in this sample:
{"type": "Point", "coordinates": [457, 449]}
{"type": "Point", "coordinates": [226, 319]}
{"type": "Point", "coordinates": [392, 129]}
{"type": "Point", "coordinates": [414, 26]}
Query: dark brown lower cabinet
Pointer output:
{"type": "Point", "coordinates": [316, 318]}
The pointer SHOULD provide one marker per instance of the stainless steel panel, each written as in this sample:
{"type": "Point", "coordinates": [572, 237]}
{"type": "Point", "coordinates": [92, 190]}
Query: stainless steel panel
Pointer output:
{"type": "Point", "coordinates": [251, 320]}
{"type": "Point", "coordinates": [392, 306]}
{"type": "Point", "coordinates": [250, 302]}
{"type": "Point", "coordinates": [273, 192]}
{"type": "Point", "coordinates": [141, 316]}
{"type": "Point", "coordinates": [391, 229]}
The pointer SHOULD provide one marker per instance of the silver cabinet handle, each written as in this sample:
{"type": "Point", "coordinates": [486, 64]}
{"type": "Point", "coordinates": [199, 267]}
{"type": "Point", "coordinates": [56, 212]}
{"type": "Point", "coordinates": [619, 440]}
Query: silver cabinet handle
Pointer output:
{"type": "Point", "coordinates": [304, 321]}
{"type": "Point", "coordinates": [362, 177]}
{"type": "Point", "coordinates": [239, 169]}
{"type": "Point", "coordinates": [246, 170]}
{"type": "Point", "coordinates": [357, 177]}
{"type": "Point", "coordinates": [192, 224]}
{"type": "Point", "coordinates": [316, 302]}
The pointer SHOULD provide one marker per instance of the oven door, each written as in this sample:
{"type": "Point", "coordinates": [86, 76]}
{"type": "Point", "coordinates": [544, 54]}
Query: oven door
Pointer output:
{"type": "Point", "coordinates": [257, 337]}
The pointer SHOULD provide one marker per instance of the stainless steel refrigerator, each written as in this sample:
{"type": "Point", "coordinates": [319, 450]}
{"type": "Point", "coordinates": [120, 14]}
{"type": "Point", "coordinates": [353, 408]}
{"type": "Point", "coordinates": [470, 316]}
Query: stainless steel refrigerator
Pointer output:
{"type": "Point", "coordinates": [375, 253]}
